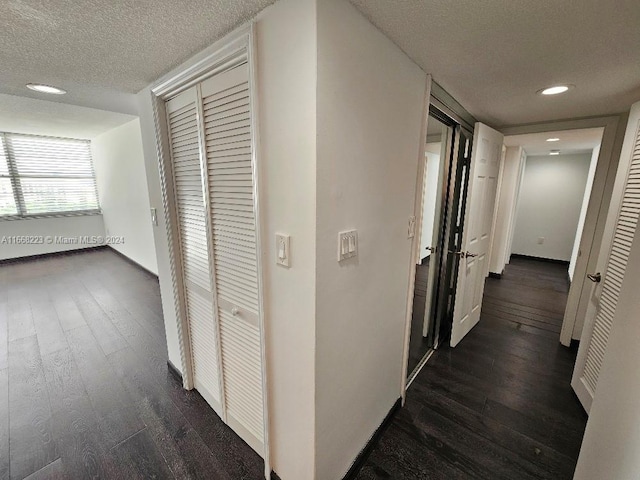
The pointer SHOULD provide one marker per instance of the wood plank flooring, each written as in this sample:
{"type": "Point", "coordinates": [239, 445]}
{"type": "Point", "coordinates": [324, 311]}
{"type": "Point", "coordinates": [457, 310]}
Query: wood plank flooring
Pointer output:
{"type": "Point", "coordinates": [84, 387]}
{"type": "Point", "coordinates": [499, 405]}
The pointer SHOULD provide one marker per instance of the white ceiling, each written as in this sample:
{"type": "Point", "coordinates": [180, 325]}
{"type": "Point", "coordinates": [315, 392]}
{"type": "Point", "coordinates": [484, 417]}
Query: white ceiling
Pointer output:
{"type": "Point", "coordinates": [493, 56]}
{"type": "Point", "coordinates": [571, 141]}
{"type": "Point", "coordinates": [103, 51]}
{"type": "Point", "coordinates": [40, 117]}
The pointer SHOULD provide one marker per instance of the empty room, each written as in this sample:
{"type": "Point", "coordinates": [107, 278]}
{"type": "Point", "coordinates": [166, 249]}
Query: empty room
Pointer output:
{"type": "Point", "coordinates": [319, 240]}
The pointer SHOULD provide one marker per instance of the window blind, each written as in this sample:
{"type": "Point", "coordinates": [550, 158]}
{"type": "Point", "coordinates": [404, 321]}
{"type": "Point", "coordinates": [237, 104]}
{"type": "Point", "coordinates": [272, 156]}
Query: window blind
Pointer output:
{"type": "Point", "coordinates": [46, 175]}
{"type": "Point", "coordinates": [7, 199]}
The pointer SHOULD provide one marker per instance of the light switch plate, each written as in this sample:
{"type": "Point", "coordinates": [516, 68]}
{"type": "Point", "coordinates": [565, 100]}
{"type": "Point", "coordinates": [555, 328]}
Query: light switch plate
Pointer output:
{"type": "Point", "coordinates": [347, 244]}
{"type": "Point", "coordinates": [283, 252]}
{"type": "Point", "coordinates": [411, 232]}
{"type": "Point", "coordinates": [154, 216]}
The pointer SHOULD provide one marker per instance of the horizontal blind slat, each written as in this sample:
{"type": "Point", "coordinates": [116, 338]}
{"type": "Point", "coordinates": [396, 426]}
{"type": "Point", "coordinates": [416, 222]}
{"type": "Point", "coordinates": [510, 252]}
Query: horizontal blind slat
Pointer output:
{"type": "Point", "coordinates": [55, 175]}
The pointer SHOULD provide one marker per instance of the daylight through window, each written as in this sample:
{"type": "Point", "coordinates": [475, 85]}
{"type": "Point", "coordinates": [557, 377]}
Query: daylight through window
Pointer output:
{"type": "Point", "coordinates": [45, 175]}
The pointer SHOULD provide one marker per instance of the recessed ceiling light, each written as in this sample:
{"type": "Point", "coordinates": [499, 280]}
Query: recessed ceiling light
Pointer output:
{"type": "Point", "coordinates": [45, 88]}
{"type": "Point", "coordinates": [555, 90]}
{"type": "Point", "coordinates": [553, 139]}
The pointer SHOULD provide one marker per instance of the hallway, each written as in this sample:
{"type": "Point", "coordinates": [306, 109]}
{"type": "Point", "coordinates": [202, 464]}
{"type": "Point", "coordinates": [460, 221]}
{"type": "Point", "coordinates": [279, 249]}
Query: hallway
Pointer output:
{"type": "Point", "coordinates": [499, 405]}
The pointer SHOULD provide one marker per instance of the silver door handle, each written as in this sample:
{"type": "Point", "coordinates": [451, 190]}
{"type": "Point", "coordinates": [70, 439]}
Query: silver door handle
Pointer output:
{"type": "Point", "coordinates": [595, 278]}
{"type": "Point", "coordinates": [464, 254]}
{"type": "Point", "coordinates": [432, 249]}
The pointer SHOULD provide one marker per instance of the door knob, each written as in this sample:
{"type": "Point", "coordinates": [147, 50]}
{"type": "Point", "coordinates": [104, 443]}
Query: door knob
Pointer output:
{"type": "Point", "coordinates": [235, 311]}
{"type": "Point", "coordinates": [594, 278]}
{"type": "Point", "coordinates": [464, 254]}
{"type": "Point", "coordinates": [432, 249]}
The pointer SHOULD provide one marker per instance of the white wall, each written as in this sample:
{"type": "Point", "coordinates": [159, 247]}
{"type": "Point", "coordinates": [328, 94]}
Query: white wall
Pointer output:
{"type": "Point", "coordinates": [286, 55]}
{"type": "Point", "coordinates": [512, 230]}
{"type": "Point", "coordinates": [583, 210]}
{"type": "Point", "coordinates": [369, 101]}
{"type": "Point", "coordinates": [506, 208]}
{"type": "Point", "coordinates": [124, 196]}
{"type": "Point", "coordinates": [49, 228]}
{"type": "Point", "coordinates": [429, 197]}
{"type": "Point", "coordinates": [549, 204]}
{"type": "Point", "coordinates": [288, 156]}
{"type": "Point", "coordinates": [147, 127]}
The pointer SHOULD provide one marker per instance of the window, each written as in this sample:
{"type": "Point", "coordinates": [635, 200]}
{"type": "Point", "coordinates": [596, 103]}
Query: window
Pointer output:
{"type": "Point", "coordinates": [45, 175]}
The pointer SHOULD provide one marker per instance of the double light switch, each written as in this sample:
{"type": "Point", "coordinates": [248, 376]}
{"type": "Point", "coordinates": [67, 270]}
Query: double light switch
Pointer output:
{"type": "Point", "coordinates": [347, 244]}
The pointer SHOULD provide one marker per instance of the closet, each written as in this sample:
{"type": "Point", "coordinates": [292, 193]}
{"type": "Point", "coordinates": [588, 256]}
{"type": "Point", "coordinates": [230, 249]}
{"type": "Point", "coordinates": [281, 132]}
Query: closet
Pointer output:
{"type": "Point", "coordinates": [604, 301]}
{"type": "Point", "coordinates": [212, 173]}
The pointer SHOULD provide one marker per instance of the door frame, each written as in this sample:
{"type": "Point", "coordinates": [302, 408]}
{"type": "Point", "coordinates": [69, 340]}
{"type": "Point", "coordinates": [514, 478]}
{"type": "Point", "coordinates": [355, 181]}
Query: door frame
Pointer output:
{"type": "Point", "coordinates": [441, 203]}
{"type": "Point", "coordinates": [234, 49]}
{"type": "Point", "coordinates": [455, 231]}
{"type": "Point", "coordinates": [415, 241]}
{"type": "Point", "coordinates": [601, 191]}
{"type": "Point", "coordinates": [437, 97]}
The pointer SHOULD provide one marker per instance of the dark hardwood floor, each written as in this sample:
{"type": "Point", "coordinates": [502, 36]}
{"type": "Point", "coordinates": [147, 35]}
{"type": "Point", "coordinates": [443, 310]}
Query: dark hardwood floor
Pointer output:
{"type": "Point", "coordinates": [499, 405]}
{"type": "Point", "coordinates": [84, 387]}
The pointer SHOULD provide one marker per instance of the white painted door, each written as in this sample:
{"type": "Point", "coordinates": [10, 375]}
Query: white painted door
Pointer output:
{"type": "Point", "coordinates": [193, 242]}
{"type": "Point", "coordinates": [227, 131]}
{"type": "Point", "coordinates": [476, 234]}
{"type": "Point", "coordinates": [620, 229]}
{"type": "Point", "coordinates": [213, 166]}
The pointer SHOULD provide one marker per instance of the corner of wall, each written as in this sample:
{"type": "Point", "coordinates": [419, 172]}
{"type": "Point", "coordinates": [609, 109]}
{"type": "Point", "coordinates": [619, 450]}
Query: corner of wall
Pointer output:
{"type": "Point", "coordinates": [147, 129]}
{"type": "Point", "coordinates": [122, 188]}
{"type": "Point", "coordinates": [287, 79]}
{"type": "Point", "coordinates": [369, 115]}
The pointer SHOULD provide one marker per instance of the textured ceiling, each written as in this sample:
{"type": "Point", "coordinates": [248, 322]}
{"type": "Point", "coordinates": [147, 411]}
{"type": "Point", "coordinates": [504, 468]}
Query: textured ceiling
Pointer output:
{"type": "Point", "coordinates": [571, 141]}
{"type": "Point", "coordinates": [102, 51]}
{"type": "Point", "coordinates": [39, 117]}
{"type": "Point", "coordinates": [493, 56]}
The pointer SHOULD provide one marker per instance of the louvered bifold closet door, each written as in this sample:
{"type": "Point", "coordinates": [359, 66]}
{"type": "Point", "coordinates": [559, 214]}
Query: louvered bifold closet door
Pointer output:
{"type": "Point", "coordinates": [227, 121]}
{"type": "Point", "coordinates": [626, 226]}
{"type": "Point", "coordinates": [185, 140]}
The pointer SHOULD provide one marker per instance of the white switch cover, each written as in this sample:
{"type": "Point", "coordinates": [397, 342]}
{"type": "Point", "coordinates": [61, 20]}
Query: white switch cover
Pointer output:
{"type": "Point", "coordinates": [411, 232]}
{"type": "Point", "coordinates": [347, 244]}
{"type": "Point", "coordinates": [283, 253]}
{"type": "Point", "coordinates": [154, 217]}
{"type": "Point", "coordinates": [540, 240]}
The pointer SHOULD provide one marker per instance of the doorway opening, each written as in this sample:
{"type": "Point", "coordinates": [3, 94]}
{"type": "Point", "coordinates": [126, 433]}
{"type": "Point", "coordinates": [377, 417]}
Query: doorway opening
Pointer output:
{"type": "Point", "coordinates": [526, 197]}
{"type": "Point", "coordinates": [446, 162]}
{"type": "Point", "coordinates": [541, 213]}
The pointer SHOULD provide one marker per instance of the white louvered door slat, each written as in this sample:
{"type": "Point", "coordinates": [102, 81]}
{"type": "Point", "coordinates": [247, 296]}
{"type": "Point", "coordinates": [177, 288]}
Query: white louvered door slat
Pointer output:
{"type": "Point", "coordinates": [587, 371]}
{"type": "Point", "coordinates": [227, 128]}
{"type": "Point", "coordinates": [184, 139]}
